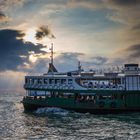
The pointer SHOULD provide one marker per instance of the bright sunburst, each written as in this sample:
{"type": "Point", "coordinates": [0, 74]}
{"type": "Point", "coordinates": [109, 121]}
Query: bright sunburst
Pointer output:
{"type": "Point", "coordinates": [30, 36]}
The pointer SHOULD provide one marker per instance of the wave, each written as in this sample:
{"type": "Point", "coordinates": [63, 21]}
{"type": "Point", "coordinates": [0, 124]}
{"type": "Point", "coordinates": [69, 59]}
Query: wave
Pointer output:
{"type": "Point", "coordinates": [52, 110]}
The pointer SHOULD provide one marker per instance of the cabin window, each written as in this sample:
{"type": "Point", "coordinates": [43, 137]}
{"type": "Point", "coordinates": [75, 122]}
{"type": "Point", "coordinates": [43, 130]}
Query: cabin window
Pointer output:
{"type": "Point", "coordinates": [101, 86]}
{"type": "Point", "coordinates": [63, 81]}
{"type": "Point", "coordinates": [45, 81]}
{"type": "Point", "coordinates": [123, 80]}
{"type": "Point", "coordinates": [57, 81]}
{"type": "Point", "coordinates": [114, 87]}
{"type": "Point", "coordinates": [90, 84]}
{"type": "Point", "coordinates": [69, 81]}
{"type": "Point", "coordinates": [119, 81]}
{"type": "Point", "coordinates": [30, 81]}
{"type": "Point", "coordinates": [35, 81]}
{"type": "Point", "coordinates": [39, 81]}
{"type": "Point", "coordinates": [51, 81]}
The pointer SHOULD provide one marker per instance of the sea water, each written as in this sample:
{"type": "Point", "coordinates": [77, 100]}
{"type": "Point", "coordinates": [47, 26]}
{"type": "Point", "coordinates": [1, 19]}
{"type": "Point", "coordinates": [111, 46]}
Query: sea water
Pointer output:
{"type": "Point", "coordinates": [59, 124]}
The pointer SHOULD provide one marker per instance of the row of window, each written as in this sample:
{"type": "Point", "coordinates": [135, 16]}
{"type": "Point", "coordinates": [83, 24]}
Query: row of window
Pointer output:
{"type": "Point", "coordinates": [47, 81]}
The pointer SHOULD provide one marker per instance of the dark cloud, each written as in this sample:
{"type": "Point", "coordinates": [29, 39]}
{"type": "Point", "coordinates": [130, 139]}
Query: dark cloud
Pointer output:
{"type": "Point", "coordinates": [63, 62]}
{"type": "Point", "coordinates": [99, 60]}
{"type": "Point", "coordinates": [3, 17]}
{"type": "Point", "coordinates": [95, 62]}
{"type": "Point", "coordinates": [136, 27]}
{"type": "Point", "coordinates": [134, 51]}
{"type": "Point", "coordinates": [14, 52]}
{"type": "Point", "coordinates": [41, 66]}
{"type": "Point", "coordinates": [130, 54]}
{"type": "Point", "coordinates": [71, 55]}
{"type": "Point", "coordinates": [69, 61]}
{"type": "Point", "coordinates": [44, 32]}
{"type": "Point", "coordinates": [125, 2]}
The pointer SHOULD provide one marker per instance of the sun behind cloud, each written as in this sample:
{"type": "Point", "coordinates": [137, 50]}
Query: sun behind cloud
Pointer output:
{"type": "Point", "coordinates": [30, 36]}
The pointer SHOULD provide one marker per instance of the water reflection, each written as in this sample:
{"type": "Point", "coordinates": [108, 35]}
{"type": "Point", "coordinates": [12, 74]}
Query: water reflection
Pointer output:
{"type": "Point", "coordinates": [61, 124]}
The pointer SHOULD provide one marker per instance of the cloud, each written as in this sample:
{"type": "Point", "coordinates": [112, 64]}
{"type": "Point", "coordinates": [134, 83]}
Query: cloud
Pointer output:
{"type": "Point", "coordinates": [124, 2]}
{"type": "Point", "coordinates": [12, 81]}
{"type": "Point", "coordinates": [3, 17]}
{"type": "Point", "coordinates": [14, 52]}
{"type": "Point", "coordinates": [99, 60]}
{"type": "Point", "coordinates": [126, 13]}
{"type": "Point", "coordinates": [63, 62]}
{"type": "Point", "coordinates": [89, 4]}
{"type": "Point", "coordinates": [44, 32]}
{"type": "Point", "coordinates": [6, 6]}
{"type": "Point", "coordinates": [134, 51]}
{"type": "Point", "coordinates": [136, 27]}
{"type": "Point", "coordinates": [69, 61]}
{"type": "Point", "coordinates": [40, 67]}
{"type": "Point", "coordinates": [129, 54]}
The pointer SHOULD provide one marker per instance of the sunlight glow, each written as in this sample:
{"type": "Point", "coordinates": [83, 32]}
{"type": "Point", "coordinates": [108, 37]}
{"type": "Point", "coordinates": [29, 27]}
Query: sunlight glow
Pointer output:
{"type": "Point", "coordinates": [32, 58]}
{"type": "Point", "coordinates": [30, 36]}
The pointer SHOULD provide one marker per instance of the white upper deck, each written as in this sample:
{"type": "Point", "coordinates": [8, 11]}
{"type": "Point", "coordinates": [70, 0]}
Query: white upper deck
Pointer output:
{"type": "Point", "coordinates": [128, 79]}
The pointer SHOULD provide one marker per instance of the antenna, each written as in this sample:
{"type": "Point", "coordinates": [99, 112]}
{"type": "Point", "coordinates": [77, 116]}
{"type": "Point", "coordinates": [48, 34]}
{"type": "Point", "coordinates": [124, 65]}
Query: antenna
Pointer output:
{"type": "Point", "coordinates": [79, 67]}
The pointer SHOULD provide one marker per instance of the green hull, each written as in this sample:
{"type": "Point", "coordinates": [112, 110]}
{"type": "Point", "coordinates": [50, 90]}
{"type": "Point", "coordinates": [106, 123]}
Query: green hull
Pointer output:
{"type": "Point", "coordinates": [129, 103]}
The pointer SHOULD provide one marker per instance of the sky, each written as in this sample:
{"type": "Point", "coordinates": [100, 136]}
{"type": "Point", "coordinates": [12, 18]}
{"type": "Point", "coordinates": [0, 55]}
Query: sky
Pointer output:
{"type": "Point", "coordinates": [98, 33]}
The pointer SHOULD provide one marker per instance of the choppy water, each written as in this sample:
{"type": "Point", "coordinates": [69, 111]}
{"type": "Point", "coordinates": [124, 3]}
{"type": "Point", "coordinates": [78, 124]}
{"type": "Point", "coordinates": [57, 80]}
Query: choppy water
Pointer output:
{"type": "Point", "coordinates": [58, 124]}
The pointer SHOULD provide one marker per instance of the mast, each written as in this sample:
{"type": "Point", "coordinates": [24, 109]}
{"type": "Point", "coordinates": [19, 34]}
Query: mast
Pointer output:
{"type": "Point", "coordinates": [51, 53]}
{"type": "Point", "coordinates": [51, 68]}
{"type": "Point", "coordinates": [79, 67]}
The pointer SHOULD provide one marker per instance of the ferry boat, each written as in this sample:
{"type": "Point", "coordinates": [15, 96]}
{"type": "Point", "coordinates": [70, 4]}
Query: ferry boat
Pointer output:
{"type": "Point", "coordinates": [80, 91]}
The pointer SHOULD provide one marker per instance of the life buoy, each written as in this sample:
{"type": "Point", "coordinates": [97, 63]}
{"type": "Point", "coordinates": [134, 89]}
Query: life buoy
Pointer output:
{"type": "Point", "coordinates": [113, 105]}
{"type": "Point", "coordinates": [101, 104]}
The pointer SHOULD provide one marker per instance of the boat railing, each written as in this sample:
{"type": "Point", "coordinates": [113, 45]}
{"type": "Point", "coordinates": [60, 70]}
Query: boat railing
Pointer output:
{"type": "Point", "coordinates": [106, 87]}
{"type": "Point", "coordinates": [90, 86]}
